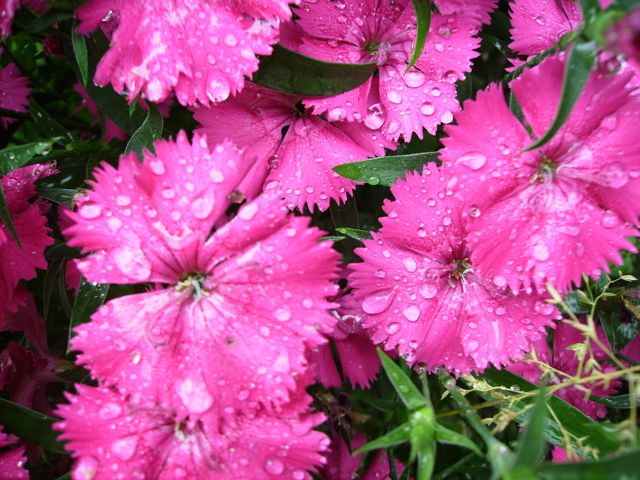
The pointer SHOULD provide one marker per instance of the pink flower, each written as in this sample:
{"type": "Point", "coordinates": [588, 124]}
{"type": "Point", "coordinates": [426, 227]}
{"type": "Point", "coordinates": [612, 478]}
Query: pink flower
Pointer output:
{"type": "Point", "coordinates": [110, 434]}
{"type": "Point", "coordinates": [231, 312]}
{"type": "Point", "coordinates": [537, 24]}
{"type": "Point", "coordinates": [556, 212]}
{"type": "Point", "coordinates": [624, 36]}
{"type": "Point", "coordinates": [299, 164]}
{"type": "Point", "coordinates": [394, 102]}
{"type": "Point", "coordinates": [342, 465]}
{"type": "Point", "coordinates": [358, 356]}
{"type": "Point", "coordinates": [20, 262]}
{"type": "Point", "coordinates": [7, 11]}
{"type": "Point", "coordinates": [426, 298]}
{"type": "Point", "coordinates": [22, 315]}
{"type": "Point", "coordinates": [201, 49]}
{"type": "Point", "coordinates": [25, 376]}
{"type": "Point", "coordinates": [12, 458]}
{"type": "Point", "coordinates": [14, 92]}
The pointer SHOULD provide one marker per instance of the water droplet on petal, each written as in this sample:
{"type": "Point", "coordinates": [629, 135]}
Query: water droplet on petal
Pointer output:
{"type": "Point", "coordinates": [273, 466]}
{"type": "Point", "coordinates": [472, 160]}
{"type": "Point", "coordinates": [336, 114]}
{"type": "Point", "coordinates": [109, 411]}
{"type": "Point", "coordinates": [427, 108]}
{"type": "Point", "coordinates": [447, 117]}
{"type": "Point", "coordinates": [195, 395]}
{"type": "Point", "coordinates": [499, 281]}
{"type": "Point", "coordinates": [394, 97]}
{"type": "Point", "coordinates": [248, 211]}
{"type": "Point", "coordinates": [414, 79]}
{"type": "Point", "coordinates": [411, 313]}
{"type": "Point", "coordinates": [410, 264]}
{"type": "Point", "coordinates": [540, 252]}
{"type": "Point", "coordinates": [392, 328]}
{"type": "Point", "coordinates": [374, 118]}
{"type": "Point", "coordinates": [230, 40]}
{"type": "Point", "coordinates": [124, 448]}
{"type": "Point", "coordinates": [610, 220]}
{"type": "Point", "coordinates": [472, 345]}
{"type": "Point", "coordinates": [202, 206]}
{"type": "Point", "coordinates": [378, 302]}
{"type": "Point", "coordinates": [133, 263]}
{"type": "Point", "coordinates": [90, 210]}
{"type": "Point", "coordinates": [428, 290]}
{"type": "Point", "coordinates": [283, 314]}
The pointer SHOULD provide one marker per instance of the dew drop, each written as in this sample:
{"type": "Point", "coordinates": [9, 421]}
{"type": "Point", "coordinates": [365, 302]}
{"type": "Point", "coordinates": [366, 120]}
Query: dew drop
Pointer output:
{"type": "Point", "coordinates": [124, 448]}
{"type": "Point", "coordinates": [109, 411]}
{"type": "Point", "coordinates": [472, 160]}
{"type": "Point", "coordinates": [540, 252]}
{"type": "Point", "coordinates": [195, 395]}
{"type": "Point", "coordinates": [273, 466]}
{"type": "Point", "coordinates": [283, 314]}
{"type": "Point", "coordinates": [394, 97]}
{"type": "Point", "coordinates": [414, 79]}
{"type": "Point", "coordinates": [133, 263]}
{"type": "Point", "coordinates": [248, 211]}
{"type": "Point", "coordinates": [499, 281]}
{"type": "Point", "coordinates": [410, 264]}
{"type": "Point", "coordinates": [427, 108]}
{"type": "Point", "coordinates": [203, 205]}
{"type": "Point", "coordinates": [447, 117]}
{"type": "Point", "coordinates": [610, 220]}
{"type": "Point", "coordinates": [428, 290]}
{"type": "Point", "coordinates": [411, 313]}
{"type": "Point", "coordinates": [472, 345]}
{"type": "Point", "coordinates": [378, 302]}
{"type": "Point", "coordinates": [90, 210]}
{"type": "Point", "coordinates": [392, 328]}
{"type": "Point", "coordinates": [336, 114]}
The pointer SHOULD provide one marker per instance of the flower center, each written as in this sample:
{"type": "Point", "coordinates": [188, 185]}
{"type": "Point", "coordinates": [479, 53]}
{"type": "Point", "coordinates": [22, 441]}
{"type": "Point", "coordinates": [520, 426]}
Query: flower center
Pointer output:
{"type": "Point", "coordinates": [460, 268]}
{"type": "Point", "coordinates": [372, 48]}
{"type": "Point", "coordinates": [193, 281]}
{"type": "Point", "coordinates": [546, 169]}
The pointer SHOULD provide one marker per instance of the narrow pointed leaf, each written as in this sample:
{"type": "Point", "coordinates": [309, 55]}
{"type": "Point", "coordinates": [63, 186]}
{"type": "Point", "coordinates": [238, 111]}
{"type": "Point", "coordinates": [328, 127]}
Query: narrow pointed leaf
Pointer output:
{"type": "Point", "coordinates": [82, 59]}
{"type": "Point", "coordinates": [426, 462]}
{"type": "Point", "coordinates": [18, 156]}
{"type": "Point", "coordinates": [423, 21]}
{"type": "Point", "coordinates": [589, 8]}
{"type": "Point", "coordinates": [576, 73]}
{"type": "Point", "coordinates": [61, 196]}
{"type": "Point", "coordinates": [385, 170]}
{"type": "Point", "coordinates": [395, 437]}
{"type": "Point", "coordinates": [451, 437]}
{"type": "Point", "coordinates": [423, 431]}
{"type": "Point", "coordinates": [354, 232]}
{"type": "Point", "coordinates": [46, 123]}
{"type": "Point", "coordinates": [90, 296]}
{"type": "Point", "coordinates": [31, 427]}
{"type": "Point", "coordinates": [5, 216]}
{"type": "Point", "coordinates": [531, 442]}
{"type": "Point", "coordinates": [149, 131]}
{"type": "Point", "coordinates": [291, 72]}
{"type": "Point", "coordinates": [619, 401]}
{"type": "Point", "coordinates": [407, 391]}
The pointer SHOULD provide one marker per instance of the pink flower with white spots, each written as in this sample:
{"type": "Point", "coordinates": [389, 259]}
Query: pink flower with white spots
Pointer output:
{"type": "Point", "coordinates": [14, 92]}
{"type": "Point", "coordinates": [358, 357]}
{"type": "Point", "coordinates": [203, 49]}
{"type": "Point", "coordinates": [556, 212]}
{"type": "Point", "coordinates": [12, 458]}
{"type": "Point", "coordinates": [426, 298]}
{"type": "Point", "coordinates": [395, 102]}
{"type": "Point", "coordinates": [298, 165]}
{"type": "Point", "coordinates": [19, 262]}
{"type": "Point", "coordinates": [112, 435]}
{"type": "Point", "coordinates": [233, 308]}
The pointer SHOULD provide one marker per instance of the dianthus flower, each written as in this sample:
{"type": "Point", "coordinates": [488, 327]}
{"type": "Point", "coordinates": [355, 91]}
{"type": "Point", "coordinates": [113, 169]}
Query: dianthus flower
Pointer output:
{"type": "Point", "coordinates": [395, 102]}
{"type": "Point", "coordinates": [342, 465]}
{"type": "Point", "coordinates": [358, 357]}
{"type": "Point", "coordinates": [19, 262]}
{"type": "Point", "coordinates": [624, 36]}
{"type": "Point", "coordinates": [8, 10]}
{"type": "Point", "coordinates": [297, 164]}
{"type": "Point", "coordinates": [232, 309]}
{"type": "Point", "coordinates": [14, 92]}
{"type": "Point", "coordinates": [538, 24]}
{"type": "Point", "coordinates": [424, 296]}
{"type": "Point", "coordinates": [558, 211]}
{"type": "Point", "coordinates": [203, 49]}
{"type": "Point", "coordinates": [12, 458]}
{"type": "Point", "coordinates": [113, 436]}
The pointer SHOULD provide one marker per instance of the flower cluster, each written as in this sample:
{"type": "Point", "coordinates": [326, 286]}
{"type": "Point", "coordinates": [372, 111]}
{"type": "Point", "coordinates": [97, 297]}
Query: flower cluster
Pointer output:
{"type": "Point", "coordinates": [234, 343]}
{"type": "Point", "coordinates": [214, 350]}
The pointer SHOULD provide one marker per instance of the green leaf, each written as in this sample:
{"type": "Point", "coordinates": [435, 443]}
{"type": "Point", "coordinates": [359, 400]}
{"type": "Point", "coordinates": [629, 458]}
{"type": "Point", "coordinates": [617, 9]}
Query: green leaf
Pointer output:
{"type": "Point", "coordinates": [531, 442]}
{"type": "Point", "coordinates": [31, 427]}
{"type": "Point", "coordinates": [5, 216]}
{"type": "Point", "coordinates": [46, 123]}
{"type": "Point", "coordinates": [576, 73]}
{"type": "Point", "coordinates": [354, 232]}
{"type": "Point", "coordinates": [407, 391]}
{"type": "Point", "coordinates": [619, 332]}
{"type": "Point", "coordinates": [619, 401]}
{"type": "Point", "coordinates": [80, 50]}
{"type": "Point", "coordinates": [61, 196]}
{"type": "Point", "coordinates": [450, 437]}
{"type": "Point", "coordinates": [426, 462]}
{"type": "Point", "coordinates": [423, 19]}
{"type": "Point", "coordinates": [291, 72]}
{"type": "Point", "coordinates": [90, 296]}
{"type": "Point", "coordinates": [397, 436]}
{"type": "Point", "coordinates": [385, 170]}
{"type": "Point", "coordinates": [18, 156]}
{"type": "Point", "coordinates": [423, 431]}
{"type": "Point", "coordinates": [589, 9]}
{"type": "Point", "coordinates": [147, 133]}
{"type": "Point", "coordinates": [595, 435]}
{"type": "Point", "coordinates": [619, 467]}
